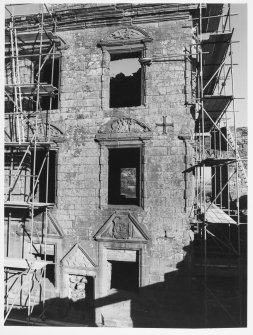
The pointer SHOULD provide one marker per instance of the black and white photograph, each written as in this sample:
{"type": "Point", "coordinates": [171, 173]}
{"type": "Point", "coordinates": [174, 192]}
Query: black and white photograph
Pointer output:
{"type": "Point", "coordinates": [125, 165]}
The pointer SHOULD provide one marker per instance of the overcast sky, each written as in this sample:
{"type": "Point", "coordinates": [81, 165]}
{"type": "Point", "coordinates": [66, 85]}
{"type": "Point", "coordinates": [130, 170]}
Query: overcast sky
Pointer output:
{"type": "Point", "coordinates": [240, 72]}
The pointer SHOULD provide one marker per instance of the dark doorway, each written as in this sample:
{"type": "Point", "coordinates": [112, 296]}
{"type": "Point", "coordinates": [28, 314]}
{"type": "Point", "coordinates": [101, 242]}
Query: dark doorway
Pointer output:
{"type": "Point", "coordinates": [125, 80]}
{"type": "Point", "coordinates": [125, 275]}
{"type": "Point", "coordinates": [124, 176]}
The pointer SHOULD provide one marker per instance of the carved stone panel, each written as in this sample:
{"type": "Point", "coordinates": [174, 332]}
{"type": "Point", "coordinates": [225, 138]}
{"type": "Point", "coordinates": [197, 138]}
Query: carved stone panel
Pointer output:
{"type": "Point", "coordinates": [78, 258]}
{"type": "Point", "coordinates": [45, 131]}
{"type": "Point", "coordinates": [126, 35]}
{"type": "Point", "coordinates": [122, 227]}
{"type": "Point", "coordinates": [77, 285]}
{"type": "Point", "coordinates": [124, 127]}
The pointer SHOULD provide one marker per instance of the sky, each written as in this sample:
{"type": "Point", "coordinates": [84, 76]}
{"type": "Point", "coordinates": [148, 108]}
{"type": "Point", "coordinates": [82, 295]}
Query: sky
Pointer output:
{"type": "Point", "coordinates": [240, 72]}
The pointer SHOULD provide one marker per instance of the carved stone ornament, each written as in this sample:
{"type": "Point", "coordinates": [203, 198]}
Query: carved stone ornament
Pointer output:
{"type": "Point", "coordinates": [126, 35]}
{"type": "Point", "coordinates": [51, 229]}
{"type": "Point", "coordinates": [44, 131]}
{"type": "Point", "coordinates": [77, 285]}
{"type": "Point", "coordinates": [78, 258]}
{"type": "Point", "coordinates": [122, 227]}
{"type": "Point", "coordinates": [124, 127]}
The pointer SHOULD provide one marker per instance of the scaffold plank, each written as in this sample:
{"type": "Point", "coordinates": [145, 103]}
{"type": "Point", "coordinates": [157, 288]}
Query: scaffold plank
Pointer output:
{"type": "Point", "coordinates": [214, 51]}
{"type": "Point", "coordinates": [211, 162]}
{"type": "Point", "coordinates": [24, 204]}
{"type": "Point", "coordinates": [21, 263]}
{"type": "Point", "coordinates": [30, 37]}
{"type": "Point", "coordinates": [32, 89]}
{"type": "Point", "coordinates": [214, 214]}
{"type": "Point", "coordinates": [39, 144]}
{"type": "Point", "coordinates": [215, 106]}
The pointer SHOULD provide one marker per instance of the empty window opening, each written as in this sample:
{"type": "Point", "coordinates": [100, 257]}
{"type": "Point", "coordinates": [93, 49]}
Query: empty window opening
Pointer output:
{"type": "Point", "coordinates": [124, 176]}
{"type": "Point", "coordinates": [45, 190]}
{"type": "Point", "coordinates": [124, 275]}
{"type": "Point", "coordinates": [125, 80]}
{"type": "Point", "coordinates": [50, 75]}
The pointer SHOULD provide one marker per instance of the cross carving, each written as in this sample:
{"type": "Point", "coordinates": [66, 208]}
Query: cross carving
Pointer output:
{"type": "Point", "coordinates": [164, 125]}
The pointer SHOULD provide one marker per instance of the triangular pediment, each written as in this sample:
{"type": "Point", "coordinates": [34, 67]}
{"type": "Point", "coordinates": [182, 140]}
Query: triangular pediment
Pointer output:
{"type": "Point", "coordinates": [122, 227]}
{"type": "Point", "coordinates": [126, 35]}
{"type": "Point", "coordinates": [41, 226]}
{"type": "Point", "coordinates": [77, 257]}
{"type": "Point", "coordinates": [123, 128]}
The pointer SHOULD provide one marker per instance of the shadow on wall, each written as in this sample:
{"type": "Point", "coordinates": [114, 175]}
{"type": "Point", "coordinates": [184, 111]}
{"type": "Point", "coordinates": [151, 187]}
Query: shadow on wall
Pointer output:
{"type": "Point", "coordinates": [178, 302]}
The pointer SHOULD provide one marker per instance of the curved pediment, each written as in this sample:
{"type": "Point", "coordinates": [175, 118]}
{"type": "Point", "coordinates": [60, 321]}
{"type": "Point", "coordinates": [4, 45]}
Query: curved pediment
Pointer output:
{"type": "Point", "coordinates": [126, 35]}
{"type": "Point", "coordinates": [123, 127]}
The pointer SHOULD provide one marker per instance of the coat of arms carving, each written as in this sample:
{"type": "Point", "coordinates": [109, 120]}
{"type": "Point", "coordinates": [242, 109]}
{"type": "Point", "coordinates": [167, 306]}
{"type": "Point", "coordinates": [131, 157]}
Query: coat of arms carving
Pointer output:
{"type": "Point", "coordinates": [120, 228]}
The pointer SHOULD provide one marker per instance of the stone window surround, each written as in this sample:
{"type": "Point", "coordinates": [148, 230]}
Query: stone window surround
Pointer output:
{"type": "Point", "coordinates": [105, 145]}
{"type": "Point", "coordinates": [123, 46]}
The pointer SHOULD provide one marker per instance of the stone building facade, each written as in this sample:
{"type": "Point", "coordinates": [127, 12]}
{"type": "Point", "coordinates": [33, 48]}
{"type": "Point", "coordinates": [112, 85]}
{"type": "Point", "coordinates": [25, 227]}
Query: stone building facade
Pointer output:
{"type": "Point", "coordinates": [109, 242]}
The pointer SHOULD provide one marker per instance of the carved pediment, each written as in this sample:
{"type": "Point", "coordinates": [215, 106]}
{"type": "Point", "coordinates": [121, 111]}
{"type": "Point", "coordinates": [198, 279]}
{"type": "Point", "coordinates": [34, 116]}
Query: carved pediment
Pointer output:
{"type": "Point", "coordinates": [45, 131]}
{"type": "Point", "coordinates": [124, 127]}
{"type": "Point", "coordinates": [122, 227]}
{"type": "Point", "coordinates": [125, 35]}
{"type": "Point", "coordinates": [41, 226]}
{"type": "Point", "coordinates": [77, 257]}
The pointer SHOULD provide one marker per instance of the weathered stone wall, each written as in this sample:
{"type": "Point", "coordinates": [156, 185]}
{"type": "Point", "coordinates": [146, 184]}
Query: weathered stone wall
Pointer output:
{"type": "Point", "coordinates": [168, 192]}
{"type": "Point", "coordinates": [238, 187]}
{"type": "Point", "coordinates": [80, 117]}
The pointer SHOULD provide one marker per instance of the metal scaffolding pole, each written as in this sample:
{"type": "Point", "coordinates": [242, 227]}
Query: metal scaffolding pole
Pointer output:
{"type": "Point", "coordinates": [15, 93]}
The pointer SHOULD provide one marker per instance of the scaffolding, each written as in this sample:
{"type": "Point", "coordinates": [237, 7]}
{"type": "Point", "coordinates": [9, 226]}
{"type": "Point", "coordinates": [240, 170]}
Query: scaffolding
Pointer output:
{"type": "Point", "coordinates": [219, 169]}
{"type": "Point", "coordinates": [32, 53]}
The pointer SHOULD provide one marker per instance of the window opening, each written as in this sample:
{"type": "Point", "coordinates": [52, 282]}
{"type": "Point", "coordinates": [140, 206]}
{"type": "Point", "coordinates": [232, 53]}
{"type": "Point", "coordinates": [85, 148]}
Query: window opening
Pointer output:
{"type": "Point", "coordinates": [124, 275]}
{"type": "Point", "coordinates": [40, 191]}
{"type": "Point", "coordinates": [124, 176]}
{"type": "Point", "coordinates": [46, 77]}
{"type": "Point", "coordinates": [125, 80]}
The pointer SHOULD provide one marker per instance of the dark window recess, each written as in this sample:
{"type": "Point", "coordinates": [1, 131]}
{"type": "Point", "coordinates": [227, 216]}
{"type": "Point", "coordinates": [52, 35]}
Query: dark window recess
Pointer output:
{"type": "Point", "coordinates": [46, 77]}
{"type": "Point", "coordinates": [125, 80]}
{"type": "Point", "coordinates": [218, 142]}
{"type": "Point", "coordinates": [125, 275]}
{"type": "Point", "coordinates": [124, 176]}
{"type": "Point", "coordinates": [41, 188]}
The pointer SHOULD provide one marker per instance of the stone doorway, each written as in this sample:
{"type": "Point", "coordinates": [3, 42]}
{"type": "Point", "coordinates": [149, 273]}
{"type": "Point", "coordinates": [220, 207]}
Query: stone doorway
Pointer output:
{"type": "Point", "coordinates": [124, 275]}
{"type": "Point", "coordinates": [123, 269]}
